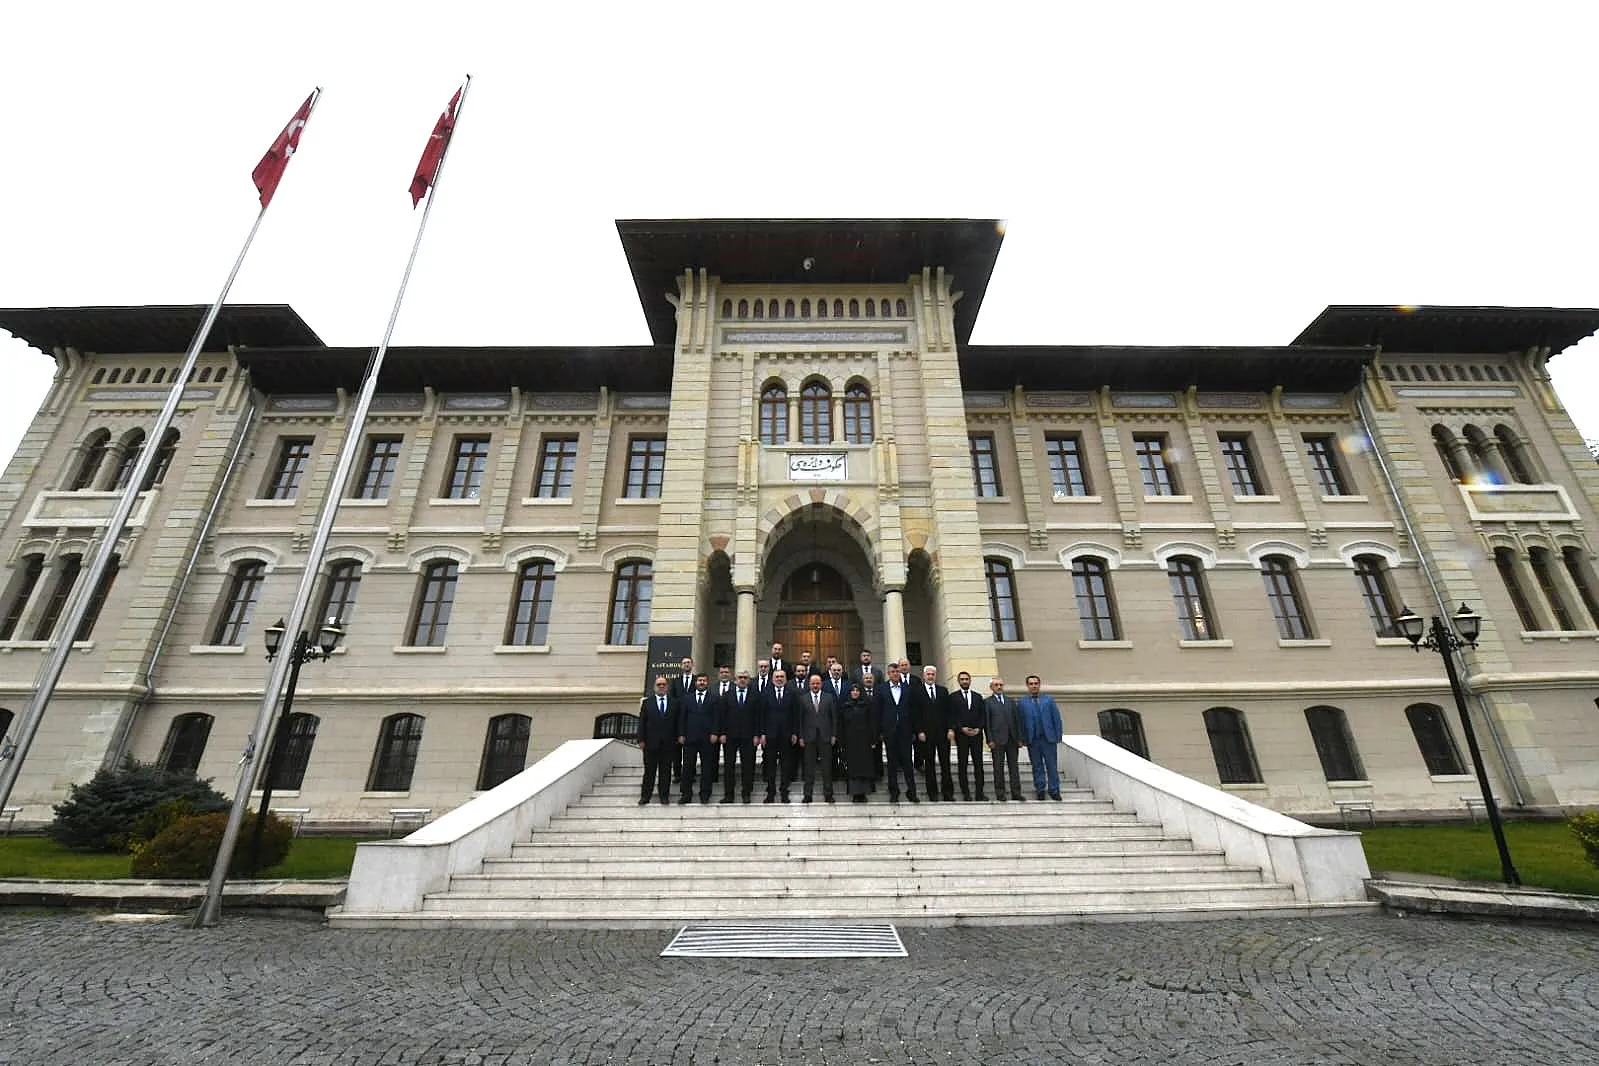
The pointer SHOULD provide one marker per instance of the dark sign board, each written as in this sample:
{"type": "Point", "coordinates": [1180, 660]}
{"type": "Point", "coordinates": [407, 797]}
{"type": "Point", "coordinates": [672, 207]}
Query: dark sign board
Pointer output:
{"type": "Point", "coordinates": [665, 656]}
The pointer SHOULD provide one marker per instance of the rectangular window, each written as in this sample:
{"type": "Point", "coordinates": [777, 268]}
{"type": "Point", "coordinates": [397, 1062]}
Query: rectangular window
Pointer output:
{"type": "Point", "coordinates": [1066, 473]}
{"type": "Point", "coordinates": [1238, 458]}
{"type": "Point", "coordinates": [469, 458]}
{"type": "Point", "coordinates": [1194, 619]}
{"type": "Point", "coordinates": [21, 592]}
{"type": "Point", "coordinates": [646, 467]}
{"type": "Point", "coordinates": [377, 472]}
{"type": "Point", "coordinates": [985, 468]}
{"type": "Point", "coordinates": [434, 600]}
{"type": "Point", "coordinates": [1003, 613]}
{"type": "Point", "coordinates": [244, 588]}
{"type": "Point", "coordinates": [1372, 576]}
{"type": "Point", "coordinates": [1322, 450]}
{"type": "Point", "coordinates": [1282, 592]}
{"type": "Point", "coordinates": [1095, 609]}
{"type": "Point", "coordinates": [97, 600]}
{"type": "Point", "coordinates": [557, 466]}
{"type": "Point", "coordinates": [1154, 463]}
{"type": "Point", "coordinates": [294, 455]}
{"type": "Point", "coordinates": [66, 579]}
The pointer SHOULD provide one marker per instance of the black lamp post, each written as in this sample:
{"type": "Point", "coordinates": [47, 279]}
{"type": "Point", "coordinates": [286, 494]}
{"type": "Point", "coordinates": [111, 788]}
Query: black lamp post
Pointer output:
{"type": "Point", "coordinates": [1446, 642]}
{"type": "Point", "coordinates": [304, 650]}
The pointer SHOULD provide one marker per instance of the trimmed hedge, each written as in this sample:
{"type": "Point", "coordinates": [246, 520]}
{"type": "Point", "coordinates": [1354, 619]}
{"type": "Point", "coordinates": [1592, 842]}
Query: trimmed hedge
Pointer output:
{"type": "Point", "coordinates": [1586, 829]}
{"type": "Point", "coordinates": [187, 848]}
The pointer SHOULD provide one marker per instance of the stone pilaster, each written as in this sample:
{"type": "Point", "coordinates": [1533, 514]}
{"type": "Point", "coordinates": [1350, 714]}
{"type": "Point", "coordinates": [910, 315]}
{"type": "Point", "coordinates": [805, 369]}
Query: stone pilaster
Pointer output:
{"type": "Point", "coordinates": [1031, 476]}
{"type": "Point", "coordinates": [407, 489]}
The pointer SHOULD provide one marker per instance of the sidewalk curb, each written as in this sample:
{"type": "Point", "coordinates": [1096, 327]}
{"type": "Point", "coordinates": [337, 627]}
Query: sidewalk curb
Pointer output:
{"type": "Point", "coordinates": [1482, 901]}
{"type": "Point", "coordinates": [166, 897]}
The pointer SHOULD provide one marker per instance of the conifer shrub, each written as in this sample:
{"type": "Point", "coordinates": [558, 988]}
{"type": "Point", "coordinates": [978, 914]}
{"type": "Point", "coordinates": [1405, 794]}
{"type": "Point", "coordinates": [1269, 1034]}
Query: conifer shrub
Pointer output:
{"type": "Point", "coordinates": [187, 848]}
{"type": "Point", "coordinates": [105, 812]}
{"type": "Point", "coordinates": [1586, 829]}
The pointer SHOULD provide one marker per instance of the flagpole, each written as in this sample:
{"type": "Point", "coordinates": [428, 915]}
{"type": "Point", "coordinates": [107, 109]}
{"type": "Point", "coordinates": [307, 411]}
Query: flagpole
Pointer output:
{"type": "Point", "coordinates": [249, 766]}
{"type": "Point", "coordinates": [83, 591]}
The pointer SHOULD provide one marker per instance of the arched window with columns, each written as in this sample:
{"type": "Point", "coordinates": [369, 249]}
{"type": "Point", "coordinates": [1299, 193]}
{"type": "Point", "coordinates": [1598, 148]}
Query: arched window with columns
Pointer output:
{"type": "Point", "coordinates": [774, 413]}
{"type": "Point", "coordinates": [1514, 452]}
{"type": "Point", "coordinates": [94, 452]}
{"type": "Point", "coordinates": [128, 450]}
{"type": "Point", "coordinates": [816, 413]}
{"type": "Point", "coordinates": [858, 413]}
{"type": "Point", "coordinates": [1505, 562]}
{"type": "Point", "coordinates": [1452, 452]}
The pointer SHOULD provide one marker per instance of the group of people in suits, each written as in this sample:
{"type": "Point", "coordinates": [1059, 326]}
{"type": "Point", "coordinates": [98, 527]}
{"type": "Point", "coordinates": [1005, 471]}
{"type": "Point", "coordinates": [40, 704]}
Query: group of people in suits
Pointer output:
{"type": "Point", "coordinates": [807, 721]}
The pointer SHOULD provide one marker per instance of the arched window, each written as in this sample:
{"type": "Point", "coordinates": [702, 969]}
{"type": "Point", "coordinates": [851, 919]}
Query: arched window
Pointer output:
{"type": "Point", "coordinates": [1096, 610]}
{"type": "Point", "coordinates": [504, 750]}
{"type": "Point", "coordinates": [238, 602]}
{"type": "Point", "coordinates": [529, 624]}
{"type": "Point", "coordinates": [160, 375]}
{"type": "Point", "coordinates": [1382, 606]}
{"type": "Point", "coordinates": [23, 581]}
{"type": "Point", "coordinates": [338, 595]}
{"type": "Point", "coordinates": [1582, 578]}
{"type": "Point", "coordinates": [857, 413]}
{"type": "Point", "coordinates": [99, 376]}
{"type": "Point", "coordinates": [871, 308]}
{"type": "Point", "coordinates": [885, 308]}
{"type": "Point", "coordinates": [760, 309]}
{"type": "Point", "coordinates": [774, 414]}
{"type": "Point", "coordinates": [788, 308]}
{"type": "Point", "coordinates": [94, 449]}
{"type": "Point", "coordinates": [430, 620]}
{"type": "Point", "coordinates": [299, 736]}
{"type": "Point", "coordinates": [163, 460]}
{"type": "Point", "coordinates": [1194, 618]}
{"type": "Point", "coordinates": [821, 308]}
{"type": "Point", "coordinates": [1286, 599]}
{"type": "Point", "coordinates": [1515, 455]}
{"type": "Point", "coordinates": [631, 593]}
{"type": "Point", "coordinates": [205, 375]}
{"type": "Point", "coordinates": [771, 308]}
{"type": "Point", "coordinates": [1449, 450]}
{"type": "Point", "coordinates": [127, 458]}
{"type": "Point", "coordinates": [1003, 612]}
{"type": "Point", "coordinates": [399, 741]}
{"type": "Point", "coordinates": [1505, 562]}
{"type": "Point", "coordinates": [816, 413]}
{"type": "Point", "coordinates": [855, 309]}
{"type": "Point", "coordinates": [68, 567]}
{"type": "Point", "coordinates": [1335, 746]}
{"type": "Point", "coordinates": [838, 308]}
{"type": "Point", "coordinates": [1543, 571]}
{"type": "Point", "coordinates": [185, 743]}
{"type": "Point", "coordinates": [899, 309]}
{"type": "Point", "coordinates": [727, 308]}
{"type": "Point", "coordinates": [1125, 729]}
{"type": "Point", "coordinates": [1231, 747]}
{"type": "Point", "coordinates": [743, 309]}
{"type": "Point", "coordinates": [805, 308]}
{"type": "Point", "coordinates": [97, 599]}
{"type": "Point", "coordinates": [1430, 726]}
{"type": "Point", "coordinates": [1478, 445]}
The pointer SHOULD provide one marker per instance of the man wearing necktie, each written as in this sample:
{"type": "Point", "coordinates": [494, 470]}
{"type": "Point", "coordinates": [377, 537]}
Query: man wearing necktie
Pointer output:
{"type": "Point", "coordinates": [818, 732]}
{"type": "Point", "coordinates": [657, 736]}
{"type": "Point", "coordinates": [779, 663]}
{"type": "Point", "coordinates": [682, 688]}
{"type": "Point", "coordinates": [967, 715]}
{"type": "Point", "coordinates": [698, 734]}
{"type": "Point", "coordinates": [932, 729]}
{"type": "Point", "coordinates": [738, 724]}
{"type": "Point", "coordinates": [779, 739]}
{"type": "Point", "coordinates": [1004, 730]}
{"type": "Point", "coordinates": [898, 728]}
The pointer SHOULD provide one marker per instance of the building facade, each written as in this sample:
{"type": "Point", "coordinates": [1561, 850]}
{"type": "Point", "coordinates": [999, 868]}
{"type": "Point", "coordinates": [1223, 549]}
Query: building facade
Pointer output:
{"type": "Point", "coordinates": [1200, 550]}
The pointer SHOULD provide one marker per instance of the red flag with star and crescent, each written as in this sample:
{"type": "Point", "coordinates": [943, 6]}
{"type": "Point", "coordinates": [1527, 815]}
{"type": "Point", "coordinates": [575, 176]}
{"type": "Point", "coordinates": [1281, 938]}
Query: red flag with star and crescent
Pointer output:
{"type": "Point", "coordinates": [427, 168]}
{"type": "Point", "coordinates": [269, 171]}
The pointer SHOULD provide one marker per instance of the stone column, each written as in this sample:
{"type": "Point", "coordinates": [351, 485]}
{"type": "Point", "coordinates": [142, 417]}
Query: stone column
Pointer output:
{"type": "Point", "coordinates": [1566, 589]}
{"type": "Point", "coordinates": [1465, 462]}
{"type": "Point", "coordinates": [1495, 462]}
{"type": "Point", "coordinates": [894, 623]}
{"type": "Point", "coordinates": [1532, 591]}
{"type": "Point", "coordinates": [744, 632]}
{"type": "Point", "coordinates": [838, 419]}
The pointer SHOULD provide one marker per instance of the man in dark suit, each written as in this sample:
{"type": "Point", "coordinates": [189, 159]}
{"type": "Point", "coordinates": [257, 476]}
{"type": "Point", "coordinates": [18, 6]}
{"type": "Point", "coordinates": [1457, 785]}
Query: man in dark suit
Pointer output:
{"type": "Point", "coordinates": [682, 687]}
{"type": "Point", "coordinates": [805, 669]}
{"type": "Point", "coordinates": [657, 735]}
{"type": "Point", "coordinates": [779, 738]}
{"type": "Point", "coordinates": [897, 725]}
{"type": "Point", "coordinates": [932, 730]}
{"type": "Point", "coordinates": [868, 668]}
{"type": "Point", "coordinates": [697, 733]}
{"type": "Point", "coordinates": [818, 731]}
{"type": "Point", "coordinates": [1004, 728]}
{"type": "Point", "coordinates": [739, 722]}
{"type": "Point", "coordinates": [780, 663]}
{"type": "Point", "coordinates": [763, 677]}
{"type": "Point", "coordinates": [967, 715]}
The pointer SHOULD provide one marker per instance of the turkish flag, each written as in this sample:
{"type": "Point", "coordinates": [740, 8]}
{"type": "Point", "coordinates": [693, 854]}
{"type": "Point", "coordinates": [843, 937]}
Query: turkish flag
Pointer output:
{"type": "Point", "coordinates": [269, 171]}
{"type": "Point", "coordinates": [427, 168]}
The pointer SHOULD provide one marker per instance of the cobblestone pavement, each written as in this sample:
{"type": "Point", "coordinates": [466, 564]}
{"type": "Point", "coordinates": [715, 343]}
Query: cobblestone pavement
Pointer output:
{"type": "Point", "coordinates": [1370, 990]}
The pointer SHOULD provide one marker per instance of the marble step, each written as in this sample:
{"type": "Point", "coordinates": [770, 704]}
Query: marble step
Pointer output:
{"type": "Point", "coordinates": [692, 835]}
{"type": "Point", "coordinates": [1012, 816]}
{"type": "Point", "coordinates": [1000, 863]}
{"type": "Point", "coordinates": [761, 848]}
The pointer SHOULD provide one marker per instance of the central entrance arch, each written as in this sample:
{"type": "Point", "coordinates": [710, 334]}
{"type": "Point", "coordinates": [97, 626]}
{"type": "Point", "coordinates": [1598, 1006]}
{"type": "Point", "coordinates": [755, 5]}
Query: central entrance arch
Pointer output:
{"type": "Point", "coordinates": [817, 613]}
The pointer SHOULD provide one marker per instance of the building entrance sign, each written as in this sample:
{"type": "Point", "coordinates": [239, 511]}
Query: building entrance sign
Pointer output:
{"type": "Point", "coordinates": [819, 466]}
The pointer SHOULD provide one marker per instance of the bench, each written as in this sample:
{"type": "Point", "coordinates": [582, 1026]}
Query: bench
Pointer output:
{"type": "Point", "coordinates": [10, 816]}
{"type": "Point", "coordinates": [295, 815]}
{"type": "Point", "coordinates": [1475, 804]}
{"type": "Point", "coordinates": [419, 815]}
{"type": "Point", "coordinates": [1358, 806]}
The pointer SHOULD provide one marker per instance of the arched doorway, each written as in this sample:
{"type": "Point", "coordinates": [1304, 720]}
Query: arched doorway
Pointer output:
{"type": "Point", "coordinates": [820, 593]}
{"type": "Point", "coordinates": [817, 613]}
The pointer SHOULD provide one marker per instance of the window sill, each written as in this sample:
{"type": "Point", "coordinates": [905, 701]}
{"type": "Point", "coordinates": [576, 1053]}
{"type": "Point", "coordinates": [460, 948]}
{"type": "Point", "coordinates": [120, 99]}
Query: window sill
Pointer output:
{"type": "Point", "coordinates": [522, 649]}
{"type": "Point", "coordinates": [450, 501]}
{"type": "Point", "coordinates": [1258, 498]}
{"type": "Point", "coordinates": [1204, 643]}
{"type": "Point", "coordinates": [361, 501]}
{"type": "Point", "coordinates": [1013, 645]}
{"type": "Point", "coordinates": [420, 649]}
{"type": "Point", "coordinates": [613, 649]}
{"type": "Point", "coordinates": [636, 501]}
{"type": "Point", "coordinates": [1391, 642]}
{"type": "Point", "coordinates": [993, 499]}
{"type": "Point", "coordinates": [1315, 643]}
{"type": "Point", "coordinates": [1344, 499]}
{"type": "Point", "coordinates": [1348, 784]}
{"type": "Point", "coordinates": [279, 793]}
{"type": "Point", "coordinates": [1450, 779]}
{"type": "Point", "coordinates": [1564, 636]}
{"type": "Point", "coordinates": [384, 795]}
{"type": "Point", "coordinates": [1253, 786]}
{"type": "Point", "coordinates": [546, 501]}
{"type": "Point", "coordinates": [1066, 497]}
{"type": "Point", "coordinates": [9, 646]}
{"type": "Point", "coordinates": [1092, 645]}
{"type": "Point", "coordinates": [1168, 499]}
{"type": "Point", "coordinates": [269, 503]}
{"type": "Point", "coordinates": [217, 649]}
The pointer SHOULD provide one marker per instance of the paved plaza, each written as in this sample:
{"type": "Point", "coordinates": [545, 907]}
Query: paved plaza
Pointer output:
{"type": "Point", "coordinates": [1372, 990]}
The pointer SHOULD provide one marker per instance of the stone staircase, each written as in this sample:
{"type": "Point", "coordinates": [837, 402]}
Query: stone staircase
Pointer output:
{"type": "Point", "coordinates": [608, 861]}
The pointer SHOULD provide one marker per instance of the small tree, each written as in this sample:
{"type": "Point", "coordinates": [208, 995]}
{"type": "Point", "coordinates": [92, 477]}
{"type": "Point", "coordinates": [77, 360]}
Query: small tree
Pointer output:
{"type": "Point", "coordinates": [104, 813]}
{"type": "Point", "coordinates": [1586, 829]}
{"type": "Point", "coordinates": [187, 848]}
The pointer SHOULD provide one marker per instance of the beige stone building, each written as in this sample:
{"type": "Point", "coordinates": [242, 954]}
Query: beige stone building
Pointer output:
{"type": "Point", "coordinates": [1200, 550]}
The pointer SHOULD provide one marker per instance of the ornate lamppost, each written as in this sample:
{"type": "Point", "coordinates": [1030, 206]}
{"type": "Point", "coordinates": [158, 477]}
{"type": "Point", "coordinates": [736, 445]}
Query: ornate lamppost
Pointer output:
{"type": "Point", "coordinates": [303, 649]}
{"type": "Point", "coordinates": [1447, 642]}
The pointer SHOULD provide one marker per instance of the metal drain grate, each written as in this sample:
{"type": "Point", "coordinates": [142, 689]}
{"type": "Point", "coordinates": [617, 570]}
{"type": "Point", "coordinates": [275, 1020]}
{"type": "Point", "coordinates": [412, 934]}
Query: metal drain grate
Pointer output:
{"type": "Point", "coordinates": [786, 941]}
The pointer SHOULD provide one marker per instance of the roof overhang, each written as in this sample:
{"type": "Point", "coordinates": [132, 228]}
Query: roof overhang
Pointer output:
{"type": "Point", "coordinates": [639, 368]}
{"type": "Point", "coordinates": [1302, 369]}
{"type": "Point", "coordinates": [155, 330]}
{"type": "Point", "coordinates": [777, 251]}
{"type": "Point", "coordinates": [1452, 330]}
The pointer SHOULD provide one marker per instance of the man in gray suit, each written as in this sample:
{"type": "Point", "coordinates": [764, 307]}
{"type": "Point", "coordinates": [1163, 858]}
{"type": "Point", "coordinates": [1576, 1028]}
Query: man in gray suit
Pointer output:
{"type": "Point", "coordinates": [818, 725]}
{"type": "Point", "coordinates": [1004, 728]}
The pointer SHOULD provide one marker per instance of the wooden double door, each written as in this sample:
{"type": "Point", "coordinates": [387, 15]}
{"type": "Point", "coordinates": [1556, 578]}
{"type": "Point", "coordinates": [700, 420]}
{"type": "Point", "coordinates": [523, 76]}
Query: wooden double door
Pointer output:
{"type": "Point", "coordinates": [822, 633]}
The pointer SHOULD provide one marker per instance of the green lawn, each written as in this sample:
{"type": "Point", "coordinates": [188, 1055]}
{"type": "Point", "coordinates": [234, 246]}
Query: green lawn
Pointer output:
{"type": "Point", "coordinates": [309, 858]}
{"type": "Point", "coordinates": [1545, 854]}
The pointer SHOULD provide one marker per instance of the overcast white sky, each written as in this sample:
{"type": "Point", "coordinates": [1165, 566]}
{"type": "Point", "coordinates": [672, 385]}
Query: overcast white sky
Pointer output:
{"type": "Point", "coordinates": [1171, 173]}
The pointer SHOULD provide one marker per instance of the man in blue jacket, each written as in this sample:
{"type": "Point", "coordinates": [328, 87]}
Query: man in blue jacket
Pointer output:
{"type": "Point", "coordinates": [1041, 730]}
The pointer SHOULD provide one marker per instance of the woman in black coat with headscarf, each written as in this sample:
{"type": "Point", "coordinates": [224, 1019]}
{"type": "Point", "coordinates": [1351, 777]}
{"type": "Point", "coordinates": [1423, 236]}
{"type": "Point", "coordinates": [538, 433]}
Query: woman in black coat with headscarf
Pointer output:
{"type": "Point", "coordinates": [857, 732]}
